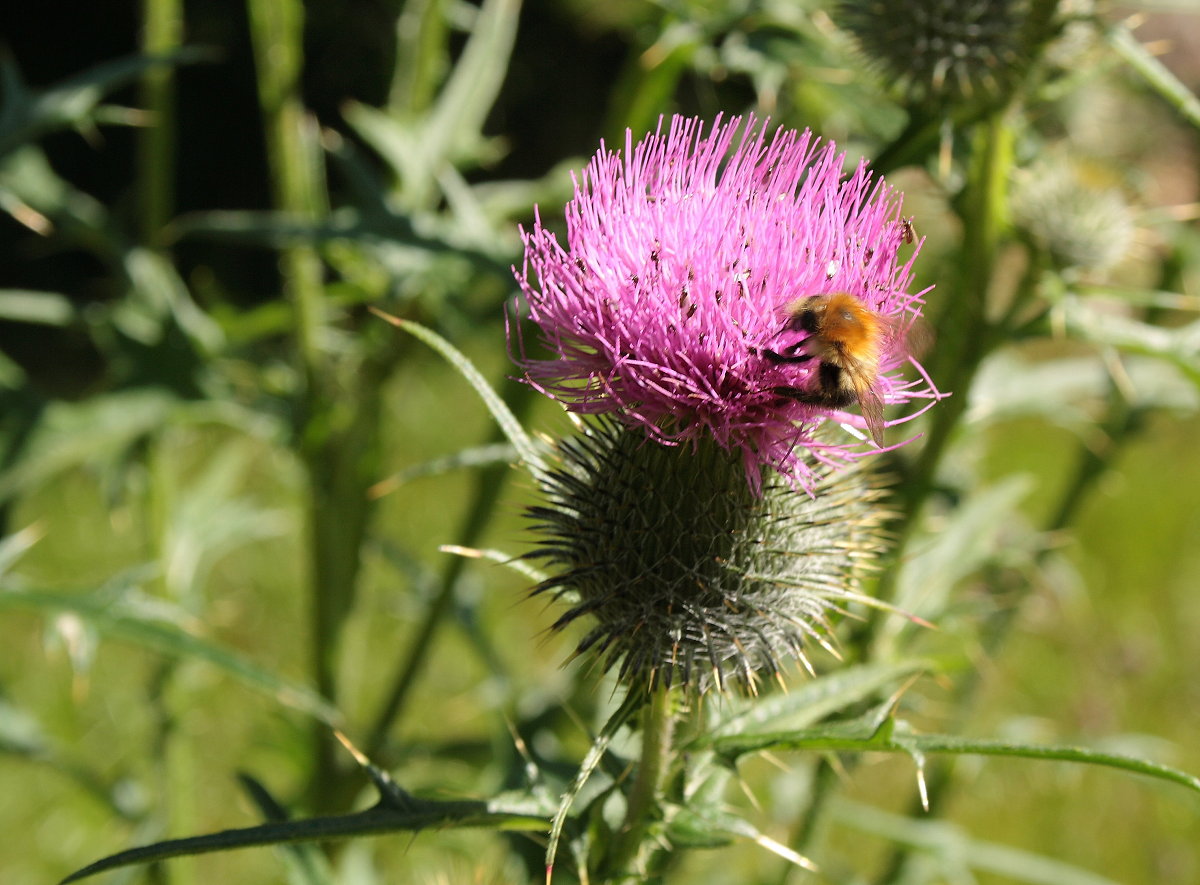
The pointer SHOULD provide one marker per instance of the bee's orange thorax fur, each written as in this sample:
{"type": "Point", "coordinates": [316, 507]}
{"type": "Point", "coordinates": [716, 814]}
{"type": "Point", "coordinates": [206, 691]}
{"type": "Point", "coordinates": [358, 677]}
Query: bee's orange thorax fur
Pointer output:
{"type": "Point", "coordinates": [847, 331]}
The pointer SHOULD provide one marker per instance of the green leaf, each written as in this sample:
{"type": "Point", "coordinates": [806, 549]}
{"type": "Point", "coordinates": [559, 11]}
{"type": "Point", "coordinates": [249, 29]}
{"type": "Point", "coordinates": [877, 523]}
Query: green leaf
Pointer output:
{"type": "Point", "coordinates": [208, 518]}
{"type": "Point", "coordinates": [33, 193]}
{"type": "Point", "coordinates": [158, 625]}
{"type": "Point", "coordinates": [451, 132]}
{"type": "Point", "coordinates": [422, 56]}
{"type": "Point", "coordinates": [398, 243]}
{"type": "Point", "coordinates": [516, 563]}
{"type": "Point", "coordinates": [497, 814]}
{"type": "Point", "coordinates": [859, 735]}
{"type": "Point", "coordinates": [813, 701]}
{"type": "Point", "coordinates": [310, 865]}
{"type": "Point", "coordinates": [101, 430]}
{"type": "Point", "coordinates": [526, 450]}
{"type": "Point", "coordinates": [687, 828]}
{"type": "Point", "coordinates": [1179, 345]}
{"type": "Point", "coordinates": [90, 432]}
{"type": "Point", "coordinates": [14, 546]}
{"type": "Point", "coordinates": [12, 376]}
{"type": "Point", "coordinates": [595, 754]}
{"type": "Point", "coordinates": [157, 293]}
{"type": "Point", "coordinates": [456, 123]}
{"type": "Point", "coordinates": [22, 735]}
{"type": "Point", "coordinates": [708, 826]}
{"type": "Point", "coordinates": [982, 529]}
{"type": "Point", "coordinates": [476, 456]}
{"type": "Point", "coordinates": [511, 199]}
{"type": "Point", "coordinates": [26, 115]}
{"type": "Point", "coordinates": [1063, 391]}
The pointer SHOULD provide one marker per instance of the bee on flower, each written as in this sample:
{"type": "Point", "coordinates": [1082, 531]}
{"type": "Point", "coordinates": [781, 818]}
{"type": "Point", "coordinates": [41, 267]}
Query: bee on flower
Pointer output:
{"type": "Point", "coordinates": [720, 295]}
{"type": "Point", "coordinates": [687, 254]}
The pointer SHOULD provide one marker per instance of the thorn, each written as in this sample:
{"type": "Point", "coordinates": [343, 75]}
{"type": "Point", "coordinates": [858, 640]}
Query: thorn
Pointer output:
{"type": "Point", "coordinates": [390, 792]}
{"type": "Point", "coordinates": [921, 788]}
{"type": "Point", "coordinates": [386, 317]}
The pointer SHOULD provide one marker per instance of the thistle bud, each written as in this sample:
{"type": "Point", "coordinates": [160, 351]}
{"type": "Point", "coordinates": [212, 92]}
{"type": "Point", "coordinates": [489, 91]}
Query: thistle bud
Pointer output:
{"type": "Point", "coordinates": [950, 50]}
{"type": "Point", "coordinates": [1079, 225]}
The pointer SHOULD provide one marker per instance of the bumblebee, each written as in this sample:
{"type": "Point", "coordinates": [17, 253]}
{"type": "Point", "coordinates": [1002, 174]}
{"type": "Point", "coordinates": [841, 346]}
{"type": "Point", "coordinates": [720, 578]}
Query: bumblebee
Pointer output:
{"type": "Point", "coordinates": [847, 339]}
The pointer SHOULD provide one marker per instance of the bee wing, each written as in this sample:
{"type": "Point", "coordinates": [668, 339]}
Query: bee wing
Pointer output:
{"type": "Point", "coordinates": [913, 336]}
{"type": "Point", "coordinates": [870, 403]}
{"type": "Point", "coordinates": [918, 338]}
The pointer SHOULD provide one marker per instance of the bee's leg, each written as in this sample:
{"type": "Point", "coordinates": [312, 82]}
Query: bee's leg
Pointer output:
{"type": "Point", "coordinates": [777, 357]}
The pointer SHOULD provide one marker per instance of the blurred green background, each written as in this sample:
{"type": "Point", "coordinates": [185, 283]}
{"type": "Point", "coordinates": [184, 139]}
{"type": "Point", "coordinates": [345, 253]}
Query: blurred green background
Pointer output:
{"type": "Point", "coordinates": [196, 409]}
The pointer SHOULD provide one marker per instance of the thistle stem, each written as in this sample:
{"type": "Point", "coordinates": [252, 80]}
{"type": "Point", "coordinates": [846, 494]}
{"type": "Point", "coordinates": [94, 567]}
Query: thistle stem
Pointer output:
{"type": "Point", "coordinates": [658, 726]}
{"type": "Point", "coordinates": [162, 32]}
{"type": "Point", "coordinates": [276, 30]}
{"type": "Point", "coordinates": [967, 336]}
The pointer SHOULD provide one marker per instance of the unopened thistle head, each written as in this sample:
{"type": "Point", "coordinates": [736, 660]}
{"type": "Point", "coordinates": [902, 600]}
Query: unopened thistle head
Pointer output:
{"type": "Point", "coordinates": [950, 49]}
{"type": "Point", "coordinates": [684, 254]}
{"type": "Point", "coordinates": [687, 575]}
{"type": "Point", "coordinates": [1081, 224]}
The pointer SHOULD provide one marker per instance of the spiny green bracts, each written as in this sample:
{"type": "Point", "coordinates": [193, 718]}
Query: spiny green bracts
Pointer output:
{"type": "Point", "coordinates": [690, 575]}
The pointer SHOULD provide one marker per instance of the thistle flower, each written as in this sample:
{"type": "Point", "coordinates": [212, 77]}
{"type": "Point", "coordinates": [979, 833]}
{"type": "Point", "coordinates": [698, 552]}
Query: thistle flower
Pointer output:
{"type": "Point", "coordinates": [682, 254]}
{"type": "Point", "coordinates": [674, 519]}
{"type": "Point", "coordinates": [690, 576]}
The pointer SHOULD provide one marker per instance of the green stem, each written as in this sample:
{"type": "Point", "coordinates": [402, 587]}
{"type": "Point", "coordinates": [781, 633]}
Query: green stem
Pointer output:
{"type": "Point", "coordinates": [421, 57]}
{"type": "Point", "coordinates": [277, 28]}
{"type": "Point", "coordinates": [162, 32]}
{"type": "Point", "coordinates": [966, 337]}
{"type": "Point", "coordinates": [658, 725]}
{"type": "Point", "coordinates": [1157, 76]}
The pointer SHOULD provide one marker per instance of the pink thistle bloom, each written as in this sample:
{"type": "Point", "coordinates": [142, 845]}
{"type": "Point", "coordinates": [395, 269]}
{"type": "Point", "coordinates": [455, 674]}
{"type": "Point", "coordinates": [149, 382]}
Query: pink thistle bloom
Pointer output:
{"type": "Point", "coordinates": [683, 253]}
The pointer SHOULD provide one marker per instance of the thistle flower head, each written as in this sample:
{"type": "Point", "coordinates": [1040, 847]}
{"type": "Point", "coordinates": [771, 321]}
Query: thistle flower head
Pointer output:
{"type": "Point", "coordinates": [950, 49]}
{"type": "Point", "coordinates": [682, 255]}
{"type": "Point", "coordinates": [689, 577]}
{"type": "Point", "coordinates": [1081, 225]}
